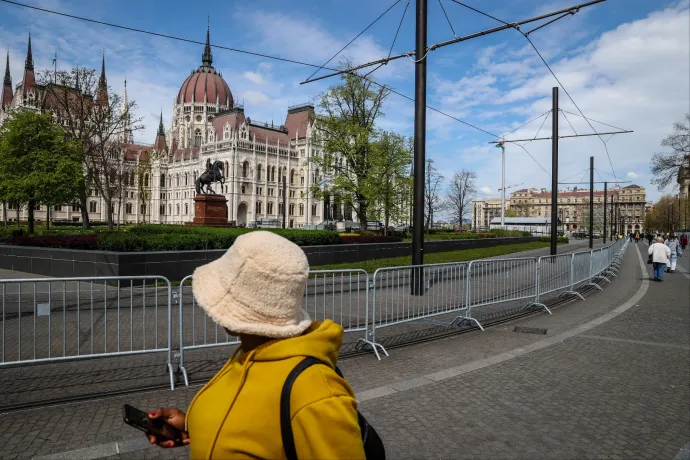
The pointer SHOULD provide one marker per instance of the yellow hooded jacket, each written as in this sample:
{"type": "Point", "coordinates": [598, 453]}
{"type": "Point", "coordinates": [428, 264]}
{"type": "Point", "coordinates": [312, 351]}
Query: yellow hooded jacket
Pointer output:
{"type": "Point", "coordinates": [237, 414]}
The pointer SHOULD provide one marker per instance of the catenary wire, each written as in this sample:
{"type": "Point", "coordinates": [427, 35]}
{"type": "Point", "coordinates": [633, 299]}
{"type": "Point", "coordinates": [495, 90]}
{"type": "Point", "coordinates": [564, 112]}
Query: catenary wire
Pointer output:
{"type": "Point", "coordinates": [356, 37]}
{"type": "Point", "coordinates": [252, 53]}
{"type": "Point", "coordinates": [447, 19]}
{"type": "Point", "coordinates": [566, 119]}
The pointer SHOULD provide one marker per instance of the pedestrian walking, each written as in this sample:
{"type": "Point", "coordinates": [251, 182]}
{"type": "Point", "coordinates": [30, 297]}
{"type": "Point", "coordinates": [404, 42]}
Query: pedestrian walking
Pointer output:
{"type": "Point", "coordinates": [676, 251]}
{"type": "Point", "coordinates": [660, 255]}
{"type": "Point", "coordinates": [683, 241]}
{"type": "Point", "coordinates": [650, 238]}
{"type": "Point", "coordinates": [637, 237]}
{"type": "Point", "coordinates": [631, 236]}
{"type": "Point", "coordinates": [280, 395]}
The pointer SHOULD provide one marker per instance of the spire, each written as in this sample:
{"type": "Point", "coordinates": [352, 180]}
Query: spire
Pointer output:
{"type": "Point", "coordinates": [161, 130]}
{"type": "Point", "coordinates": [102, 82]}
{"type": "Point", "coordinates": [207, 57]}
{"type": "Point", "coordinates": [8, 79]}
{"type": "Point", "coordinates": [29, 63]}
{"type": "Point", "coordinates": [124, 97]}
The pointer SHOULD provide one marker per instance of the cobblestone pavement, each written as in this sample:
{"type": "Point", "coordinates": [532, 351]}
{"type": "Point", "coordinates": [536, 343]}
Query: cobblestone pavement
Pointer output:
{"type": "Point", "coordinates": [616, 390]}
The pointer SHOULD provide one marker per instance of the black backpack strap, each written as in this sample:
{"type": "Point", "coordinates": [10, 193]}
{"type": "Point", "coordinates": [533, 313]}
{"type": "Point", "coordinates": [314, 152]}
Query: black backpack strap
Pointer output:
{"type": "Point", "coordinates": [285, 422]}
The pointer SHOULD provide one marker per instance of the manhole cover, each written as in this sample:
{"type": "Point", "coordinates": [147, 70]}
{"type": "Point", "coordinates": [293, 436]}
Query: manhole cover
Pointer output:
{"type": "Point", "coordinates": [530, 330]}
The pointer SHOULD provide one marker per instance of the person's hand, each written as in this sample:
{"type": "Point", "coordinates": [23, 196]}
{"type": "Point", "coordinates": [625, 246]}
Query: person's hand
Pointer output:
{"type": "Point", "coordinates": [171, 416]}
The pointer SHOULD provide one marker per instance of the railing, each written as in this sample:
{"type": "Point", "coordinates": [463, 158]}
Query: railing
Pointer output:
{"type": "Point", "coordinates": [59, 319]}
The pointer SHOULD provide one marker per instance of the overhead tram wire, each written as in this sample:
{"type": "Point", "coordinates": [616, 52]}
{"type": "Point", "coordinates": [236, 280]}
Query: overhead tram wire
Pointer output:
{"type": "Point", "coordinates": [447, 19]}
{"type": "Point", "coordinates": [540, 127]}
{"type": "Point", "coordinates": [227, 48]}
{"type": "Point", "coordinates": [566, 119]}
{"type": "Point", "coordinates": [526, 35]}
{"type": "Point", "coordinates": [356, 37]}
{"type": "Point", "coordinates": [395, 38]}
{"type": "Point", "coordinates": [252, 53]}
{"type": "Point", "coordinates": [525, 124]}
{"type": "Point", "coordinates": [591, 119]}
{"type": "Point", "coordinates": [576, 174]}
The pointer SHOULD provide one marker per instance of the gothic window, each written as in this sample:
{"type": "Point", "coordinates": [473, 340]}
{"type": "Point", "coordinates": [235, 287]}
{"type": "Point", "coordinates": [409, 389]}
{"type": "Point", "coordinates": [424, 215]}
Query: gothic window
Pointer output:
{"type": "Point", "coordinates": [169, 209]}
{"type": "Point", "coordinates": [185, 179]}
{"type": "Point", "coordinates": [291, 209]}
{"type": "Point", "coordinates": [245, 169]}
{"type": "Point", "coordinates": [301, 177]}
{"type": "Point", "coordinates": [258, 207]}
{"type": "Point", "coordinates": [313, 210]}
{"type": "Point", "coordinates": [197, 138]}
{"type": "Point", "coordinates": [128, 208]}
{"type": "Point", "coordinates": [177, 209]}
{"type": "Point", "coordinates": [227, 134]}
{"type": "Point", "coordinates": [269, 207]}
{"type": "Point", "coordinates": [280, 208]}
{"type": "Point", "coordinates": [162, 180]}
{"type": "Point", "coordinates": [258, 172]}
{"type": "Point", "coordinates": [292, 176]}
{"type": "Point", "coordinates": [162, 210]}
{"type": "Point", "coordinates": [92, 206]}
{"type": "Point", "coordinates": [146, 180]}
{"type": "Point", "coordinates": [301, 209]}
{"type": "Point", "coordinates": [76, 208]}
{"type": "Point", "coordinates": [186, 209]}
{"type": "Point", "coordinates": [273, 173]}
{"type": "Point", "coordinates": [178, 180]}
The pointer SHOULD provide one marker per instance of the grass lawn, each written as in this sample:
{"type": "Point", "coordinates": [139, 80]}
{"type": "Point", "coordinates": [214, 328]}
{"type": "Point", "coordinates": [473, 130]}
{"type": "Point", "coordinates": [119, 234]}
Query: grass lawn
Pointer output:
{"type": "Point", "coordinates": [439, 257]}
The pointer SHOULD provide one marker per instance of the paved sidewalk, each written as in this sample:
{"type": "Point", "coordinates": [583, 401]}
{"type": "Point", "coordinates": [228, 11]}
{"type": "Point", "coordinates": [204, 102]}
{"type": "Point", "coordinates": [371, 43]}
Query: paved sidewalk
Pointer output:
{"type": "Point", "coordinates": [608, 380]}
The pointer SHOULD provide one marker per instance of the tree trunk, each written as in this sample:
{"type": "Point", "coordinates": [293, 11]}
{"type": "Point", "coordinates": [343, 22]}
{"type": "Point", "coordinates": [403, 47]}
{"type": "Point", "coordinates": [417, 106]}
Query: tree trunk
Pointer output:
{"type": "Point", "coordinates": [84, 205]}
{"type": "Point", "coordinates": [4, 213]}
{"type": "Point", "coordinates": [109, 212]}
{"type": "Point", "coordinates": [48, 217]}
{"type": "Point", "coordinates": [18, 210]}
{"type": "Point", "coordinates": [362, 213]}
{"type": "Point", "coordinates": [30, 217]}
{"type": "Point", "coordinates": [119, 212]}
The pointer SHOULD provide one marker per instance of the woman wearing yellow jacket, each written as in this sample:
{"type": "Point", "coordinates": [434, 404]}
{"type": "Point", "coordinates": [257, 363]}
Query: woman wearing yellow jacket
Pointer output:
{"type": "Point", "coordinates": [255, 291]}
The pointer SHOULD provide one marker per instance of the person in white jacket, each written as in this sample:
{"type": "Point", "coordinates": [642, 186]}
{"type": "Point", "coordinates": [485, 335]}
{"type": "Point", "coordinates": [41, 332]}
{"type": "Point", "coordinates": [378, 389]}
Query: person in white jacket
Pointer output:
{"type": "Point", "coordinates": [674, 245]}
{"type": "Point", "coordinates": [661, 254]}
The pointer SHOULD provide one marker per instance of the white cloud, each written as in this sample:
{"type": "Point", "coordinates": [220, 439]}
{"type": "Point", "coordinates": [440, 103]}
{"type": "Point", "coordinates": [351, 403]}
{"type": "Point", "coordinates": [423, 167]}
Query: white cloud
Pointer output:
{"type": "Point", "coordinates": [486, 190]}
{"type": "Point", "coordinates": [254, 77]}
{"type": "Point", "coordinates": [632, 175]}
{"type": "Point", "coordinates": [634, 76]}
{"type": "Point", "coordinates": [255, 97]}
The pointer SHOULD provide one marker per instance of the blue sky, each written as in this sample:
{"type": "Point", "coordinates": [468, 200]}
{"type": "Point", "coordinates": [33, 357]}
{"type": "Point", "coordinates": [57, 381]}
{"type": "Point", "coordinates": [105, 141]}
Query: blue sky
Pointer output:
{"type": "Point", "coordinates": [624, 62]}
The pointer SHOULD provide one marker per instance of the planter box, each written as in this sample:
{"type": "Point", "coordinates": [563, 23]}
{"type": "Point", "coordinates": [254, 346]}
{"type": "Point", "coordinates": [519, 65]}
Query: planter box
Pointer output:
{"type": "Point", "coordinates": [175, 265]}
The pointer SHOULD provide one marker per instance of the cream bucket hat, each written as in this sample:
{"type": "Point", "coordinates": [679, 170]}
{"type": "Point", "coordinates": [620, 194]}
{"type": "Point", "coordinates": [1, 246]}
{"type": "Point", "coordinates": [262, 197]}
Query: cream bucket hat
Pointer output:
{"type": "Point", "coordinates": [256, 287]}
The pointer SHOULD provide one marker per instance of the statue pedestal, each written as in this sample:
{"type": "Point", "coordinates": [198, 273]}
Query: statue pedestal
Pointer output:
{"type": "Point", "coordinates": [210, 211]}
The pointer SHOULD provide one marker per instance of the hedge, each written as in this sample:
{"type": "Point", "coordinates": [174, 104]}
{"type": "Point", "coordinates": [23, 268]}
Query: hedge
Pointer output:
{"type": "Point", "coordinates": [363, 239]}
{"type": "Point", "coordinates": [145, 239]}
{"type": "Point", "coordinates": [559, 239]}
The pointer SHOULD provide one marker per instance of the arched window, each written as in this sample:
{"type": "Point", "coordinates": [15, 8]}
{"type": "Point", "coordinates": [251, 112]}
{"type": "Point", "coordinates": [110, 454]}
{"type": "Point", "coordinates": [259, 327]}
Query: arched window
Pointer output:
{"type": "Point", "coordinates": [291, 209]}
{"type": "Point", "coordinates": [170, 209]}
{"type": "Point", "coordinates": [301, 209]}
{"type": "Point", "coordinates": [186, 209]}
{"type": "Point", "coordinates": [93, 206]}
{"type": "Point", "coordinates": [131, 179]}
{"type": "Point", "coordinates": [177, 209]}
{"type": "Point", "coordinates": [273, 173]}
{"type": "Point", "coordinates": [301, 176]}
{"type": "Point", "coordinates": [128, 208]}
{"type": "Point", "coordinates": [258, 207]}
{"type": "Point", "coordinates": [146, 180]}
{"type": "Point", "coordinates": [258, 172]}
{"type": "Point", "coordinates": [162, 180]}
{"type": "Point", "coordinates": [292, 176]}
{"type": "Point", "coordinates": [269, 207]}
{"type": "Point", "coordinates": [245, 169]}
{"type": "Point", "coordinates": [197, 138]}
{"type": "Point", "coordinates": [186, 179]}
{"type": "Point", "coordinates": [162, 210]}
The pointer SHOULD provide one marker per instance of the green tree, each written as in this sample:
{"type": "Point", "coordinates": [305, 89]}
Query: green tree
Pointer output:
{"type": "Point", "coordinates": [511, 213]}
{"type": "Point", "coordinates": [346, 129]}
{"type": "Point", "coordinates": [389, 176]}
{"type": "Point", "coordinates": [667, 166]}
{"type": "Point", "coordinates": [37, 164]}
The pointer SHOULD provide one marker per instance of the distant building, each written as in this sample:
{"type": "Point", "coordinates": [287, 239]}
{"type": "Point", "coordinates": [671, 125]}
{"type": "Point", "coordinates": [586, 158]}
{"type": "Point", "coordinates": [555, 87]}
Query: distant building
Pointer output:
{"type": "Point", "coordinates": [484, 210]}
{"type": "Point", "coordinates": [537, 226]}
{"type": "Point", "coordinates": [684, 181]}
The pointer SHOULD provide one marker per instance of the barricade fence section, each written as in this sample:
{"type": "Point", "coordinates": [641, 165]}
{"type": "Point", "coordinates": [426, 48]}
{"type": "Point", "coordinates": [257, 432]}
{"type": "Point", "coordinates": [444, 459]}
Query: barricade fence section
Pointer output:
{"type": "Point", "coordinates": [410, 293]}
{"type": "Point", "coordinates": [55, 319]}
{"type": "Point", "coordinates": [59, 319]}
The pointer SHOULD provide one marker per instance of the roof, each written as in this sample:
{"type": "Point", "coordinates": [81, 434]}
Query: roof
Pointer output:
{"type": "Point", "coordinates": [187, 154]}
{"type": "Point", "coordinates": [298, 119]}
{"type": "Point", "coordinates": [133, 152]}
{"type": "Point", "coordinates": [205, 85]}
{"type": "Point", "coordinates": [272, 135]}
{"type": "Point", "coordinates": [234, 119]}
{"type": "Point", "coordinates": [632, 186]}
{"type": "Point", "coordinates": [523, 220]}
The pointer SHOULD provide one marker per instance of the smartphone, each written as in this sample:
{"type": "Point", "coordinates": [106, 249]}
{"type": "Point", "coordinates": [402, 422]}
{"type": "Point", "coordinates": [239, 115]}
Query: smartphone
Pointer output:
{"type": "Point", "coordinates": [157, 427]}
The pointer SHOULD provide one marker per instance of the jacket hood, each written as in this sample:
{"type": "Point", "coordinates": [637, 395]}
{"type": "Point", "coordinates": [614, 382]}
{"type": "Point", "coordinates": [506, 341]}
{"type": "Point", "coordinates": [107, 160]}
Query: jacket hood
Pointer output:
{"type": "Point", "coordinates": [320, 340]}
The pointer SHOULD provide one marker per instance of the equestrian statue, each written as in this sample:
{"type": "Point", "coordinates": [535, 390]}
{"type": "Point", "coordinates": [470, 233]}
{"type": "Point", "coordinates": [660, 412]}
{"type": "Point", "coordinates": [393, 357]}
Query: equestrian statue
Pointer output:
{"type": "Point", "coordinates": [213, 173]}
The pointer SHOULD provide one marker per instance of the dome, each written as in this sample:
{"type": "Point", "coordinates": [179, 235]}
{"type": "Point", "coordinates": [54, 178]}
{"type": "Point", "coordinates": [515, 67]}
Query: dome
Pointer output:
{"type": "Point", "coordinates": [205, 84]}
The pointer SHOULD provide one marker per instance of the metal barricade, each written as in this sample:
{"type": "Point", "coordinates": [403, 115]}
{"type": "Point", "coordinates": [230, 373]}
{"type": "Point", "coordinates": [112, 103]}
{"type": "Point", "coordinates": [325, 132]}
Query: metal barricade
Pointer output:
{"type": "Point", "coordinates": [556, 274]}
{"type": "Point", "coordinates": [339, 295]}
{"type": "Point", "coordinates": [411, 293]}
{"type": "Point", "coordinates": [581, 269]}
{"type": "Point", "coordinates": [496, 281]}
{"type": "Point", "coordinates": [59, 319]}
